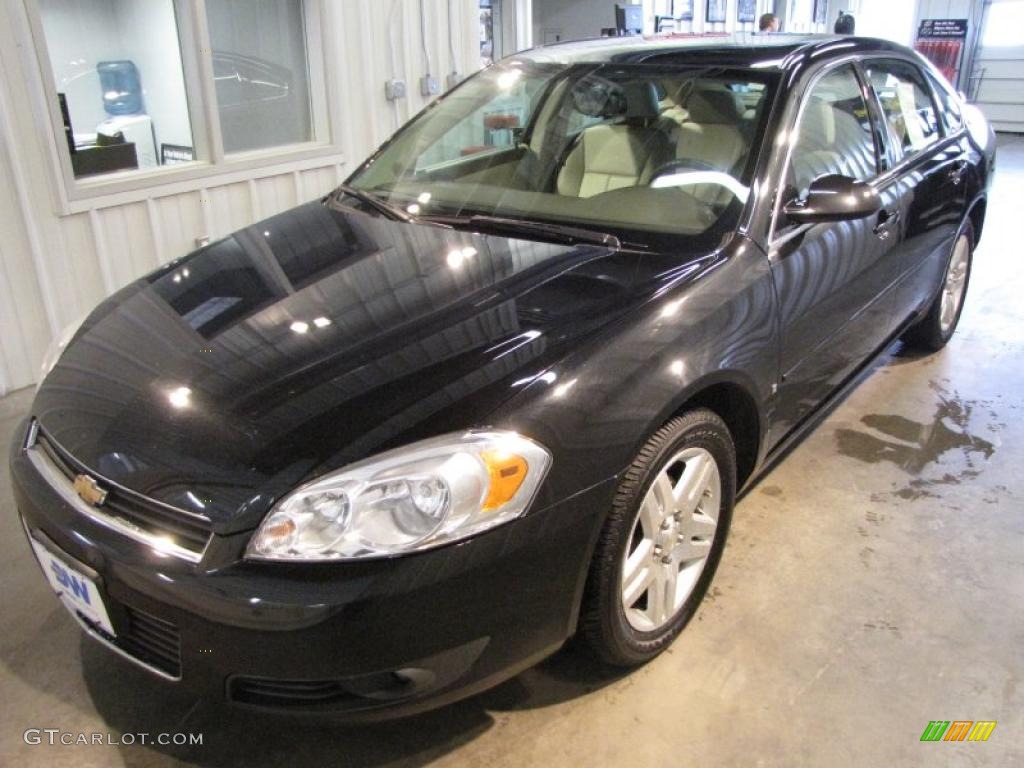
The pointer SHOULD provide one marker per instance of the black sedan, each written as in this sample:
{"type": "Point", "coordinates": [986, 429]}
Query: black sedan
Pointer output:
{"type": "Point", "coordinates": [503, 386]}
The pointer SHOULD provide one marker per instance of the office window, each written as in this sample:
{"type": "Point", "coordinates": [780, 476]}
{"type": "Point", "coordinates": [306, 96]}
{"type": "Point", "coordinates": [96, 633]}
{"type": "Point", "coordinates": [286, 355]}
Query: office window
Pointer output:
{"type": "Point", "coordinates": [118, 75]}
{"type": "Point", "coordinates": [141, 85]}
{"type": "Point", "coordinates": [261, 72]}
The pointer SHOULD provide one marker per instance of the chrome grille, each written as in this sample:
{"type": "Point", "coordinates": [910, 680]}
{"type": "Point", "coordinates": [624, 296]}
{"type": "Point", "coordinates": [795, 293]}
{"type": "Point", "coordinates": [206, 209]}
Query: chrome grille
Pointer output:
{"type": "Point", "coordinates": [135, 513]}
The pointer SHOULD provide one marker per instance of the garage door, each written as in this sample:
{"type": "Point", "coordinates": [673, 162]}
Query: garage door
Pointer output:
{"type": "Point", "coordinates": [998, 76]}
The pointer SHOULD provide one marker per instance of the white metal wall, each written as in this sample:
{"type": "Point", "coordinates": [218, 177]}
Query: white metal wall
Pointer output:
{"type": "Point", "coordinates": [998, 74]}
{"type": "Point", "coordinates": [54, 268]}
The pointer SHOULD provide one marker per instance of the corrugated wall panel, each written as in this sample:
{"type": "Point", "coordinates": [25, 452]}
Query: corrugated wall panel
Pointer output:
{"type": "Point", "coordinates": [25, 332]}
{"type": "Point", "coordinates": [75, 267]}
{"type": "Point", "coordinates": [181, 222]}
{"type": "Point", "coordinates": [127, 242]}
{"type": "Point", "coordinates": [317, 183]}
{"type": "Point", "coordinates": [275, 194]}
{"type": "Point", "coordinates": [230, 208]}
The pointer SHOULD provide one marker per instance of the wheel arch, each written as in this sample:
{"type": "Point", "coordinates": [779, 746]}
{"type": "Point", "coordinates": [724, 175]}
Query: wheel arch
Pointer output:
{"type": "Point", "coordinates": [730, 395]}
{"type": "Point", "coordinates": [976, 215]}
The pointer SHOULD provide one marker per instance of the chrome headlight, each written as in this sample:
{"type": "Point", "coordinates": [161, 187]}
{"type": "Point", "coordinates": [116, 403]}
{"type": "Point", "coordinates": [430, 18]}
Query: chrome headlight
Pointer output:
{"type": "Point", "coordinates": [417, 497]}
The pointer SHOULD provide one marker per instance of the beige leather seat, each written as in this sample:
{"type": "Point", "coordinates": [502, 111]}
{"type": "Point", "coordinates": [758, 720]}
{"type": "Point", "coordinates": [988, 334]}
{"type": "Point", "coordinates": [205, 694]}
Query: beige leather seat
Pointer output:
{"type": "Point", "coordinates": [620, 154]}
{"type": "Point", "coordinates": [830, 141]}
{"type": "Point", "coordinates": [711, 133]}
{"type": "Point", "coordinates": [712, 137]}
{"type": "Point", "coordinates": [671, 106]}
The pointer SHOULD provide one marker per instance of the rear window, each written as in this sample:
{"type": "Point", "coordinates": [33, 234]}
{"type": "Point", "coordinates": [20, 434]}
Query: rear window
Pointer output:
{"type": "Point", "coordinates": [949, 103]}
{"type": "Point", "coordinates": [907, 104]}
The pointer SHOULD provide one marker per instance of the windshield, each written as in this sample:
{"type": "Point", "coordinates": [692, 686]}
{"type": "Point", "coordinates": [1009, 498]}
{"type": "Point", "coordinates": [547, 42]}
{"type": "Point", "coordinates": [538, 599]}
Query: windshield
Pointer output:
{"type": "Point", "coordinates": [645, 152]}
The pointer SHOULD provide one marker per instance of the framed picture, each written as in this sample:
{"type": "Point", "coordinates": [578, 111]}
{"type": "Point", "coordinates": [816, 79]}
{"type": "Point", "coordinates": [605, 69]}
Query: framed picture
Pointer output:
{"type": "Point", "coordinates": [820, 11]}
{"type": "Point", "coordinates": [682, 10]}
{"type": "Point", "coordinates": [746, 11]}
{"type": "Point", "coordinates": [170, 154]}
{"type": "Point", "coordinates": [716, 11]}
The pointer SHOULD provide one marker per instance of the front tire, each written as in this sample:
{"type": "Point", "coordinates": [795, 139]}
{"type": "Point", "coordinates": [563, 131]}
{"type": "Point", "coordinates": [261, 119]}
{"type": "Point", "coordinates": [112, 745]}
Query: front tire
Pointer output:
{"type": "Point", "coordinates": [932, 332]}
{"type": "Point", "coordinates": [662, 541]}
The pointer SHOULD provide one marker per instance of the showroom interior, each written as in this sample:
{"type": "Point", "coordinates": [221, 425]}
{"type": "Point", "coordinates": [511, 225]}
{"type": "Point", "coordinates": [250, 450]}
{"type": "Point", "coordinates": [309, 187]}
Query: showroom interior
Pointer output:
{"type": "Point", "coordinates": [873, 578]}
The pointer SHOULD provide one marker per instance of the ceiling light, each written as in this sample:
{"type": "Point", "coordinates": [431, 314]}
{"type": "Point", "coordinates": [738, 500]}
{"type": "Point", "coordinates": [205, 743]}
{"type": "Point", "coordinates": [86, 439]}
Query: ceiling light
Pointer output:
{"type": "Point", "coordinates": [321, 322]}
{"type": "Point", "coordinates": [455, 259]}
{"type": "Point", "coordinates": [180, 397]}
{"type": "Point", "coordinates": [299, 327]}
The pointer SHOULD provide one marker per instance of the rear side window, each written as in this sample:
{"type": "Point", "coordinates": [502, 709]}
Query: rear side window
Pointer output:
{"type": "Point", "coordinates": [906, 102]}
{"type": "Point", "coordinates": [834, 135]}
{"type": "Point", "coordinates": [949, 103]}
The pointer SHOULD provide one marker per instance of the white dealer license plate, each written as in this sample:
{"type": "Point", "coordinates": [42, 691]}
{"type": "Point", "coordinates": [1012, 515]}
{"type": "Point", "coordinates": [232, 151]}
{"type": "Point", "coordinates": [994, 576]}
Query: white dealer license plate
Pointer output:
{"type": "Point", "coordinates": [77, 591]}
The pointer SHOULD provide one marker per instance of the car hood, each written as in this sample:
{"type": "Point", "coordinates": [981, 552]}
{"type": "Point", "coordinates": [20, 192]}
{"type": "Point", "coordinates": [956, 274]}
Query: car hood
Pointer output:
{"type": "Point", "coordinates": [312, 339]}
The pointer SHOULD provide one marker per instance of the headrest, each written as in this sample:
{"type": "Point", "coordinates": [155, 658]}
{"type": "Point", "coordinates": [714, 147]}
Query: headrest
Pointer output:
{"type": "Point", "coordinates": [717, 106]}
{"type": "Point", "coordinates": [602, 98]}
{"type": "Point", "coordinates": [641, 100]}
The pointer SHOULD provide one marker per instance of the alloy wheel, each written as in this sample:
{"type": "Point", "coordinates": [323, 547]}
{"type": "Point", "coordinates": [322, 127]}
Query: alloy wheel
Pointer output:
{"type": "Point", "coordinates": [671, 539]}
{"type": "Point", "coordinates": [955, 283]}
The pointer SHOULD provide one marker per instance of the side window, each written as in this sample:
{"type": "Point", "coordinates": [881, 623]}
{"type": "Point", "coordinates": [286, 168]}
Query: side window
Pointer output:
{"type": "Point", "coordinates": [949, 103]}
{"type": "Point", "coordinates": [906, 103]}
{"type": "Point", "coordinates": [834, 135]}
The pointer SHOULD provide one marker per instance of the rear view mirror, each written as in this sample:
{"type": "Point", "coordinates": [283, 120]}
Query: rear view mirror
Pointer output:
{"type": "Point", "coordinates": [834, 198]}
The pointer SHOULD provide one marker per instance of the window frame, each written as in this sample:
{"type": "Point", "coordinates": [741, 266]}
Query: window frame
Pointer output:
{"type": "Point", "coordinates": [901, 155]}
{"type": "Point", "coordinates": [884, 163]}
{"type": "Point", "coordinates": [941, 92]}
{"type": "Point", "coordinates": [212, 165]}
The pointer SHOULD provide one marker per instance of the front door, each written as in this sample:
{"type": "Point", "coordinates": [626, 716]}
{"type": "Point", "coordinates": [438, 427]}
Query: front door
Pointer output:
{"type": "Point", "coordinates": [832, 280]}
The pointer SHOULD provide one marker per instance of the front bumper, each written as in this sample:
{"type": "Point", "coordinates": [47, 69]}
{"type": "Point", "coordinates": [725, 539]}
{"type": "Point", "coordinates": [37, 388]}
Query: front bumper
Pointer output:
{"type": "Point", "coordinates": [361, 640]}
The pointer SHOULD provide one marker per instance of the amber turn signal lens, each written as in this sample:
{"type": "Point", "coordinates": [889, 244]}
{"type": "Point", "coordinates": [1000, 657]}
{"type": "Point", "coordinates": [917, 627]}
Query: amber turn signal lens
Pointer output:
{"type": "Point", "coordinates": [507, 472]}
{"type": "Point", "coordinates": [280, 530]}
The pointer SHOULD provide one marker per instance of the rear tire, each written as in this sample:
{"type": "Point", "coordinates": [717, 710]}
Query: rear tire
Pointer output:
{"type": "Point", "coordinates": [932, 332]}
{"type": "Point", "coordinates": [662, 541]}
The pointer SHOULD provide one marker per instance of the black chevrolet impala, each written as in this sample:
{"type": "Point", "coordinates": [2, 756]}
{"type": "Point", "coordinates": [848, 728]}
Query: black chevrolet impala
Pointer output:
{"type": "Point", "coordinates": [503, 386]}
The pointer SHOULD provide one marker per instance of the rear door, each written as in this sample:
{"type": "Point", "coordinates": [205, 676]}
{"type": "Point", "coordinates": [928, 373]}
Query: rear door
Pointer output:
{"type": "Point", "coordinates": [832, 280]}
{"type": "Point", "coordinates": [931, 167]}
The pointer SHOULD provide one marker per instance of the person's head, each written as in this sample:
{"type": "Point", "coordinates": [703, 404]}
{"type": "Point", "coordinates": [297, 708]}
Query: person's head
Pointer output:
{"type": "Point", "coordinates": [769, 23]}
{"type": "Point", "coordinates": [845, 24]}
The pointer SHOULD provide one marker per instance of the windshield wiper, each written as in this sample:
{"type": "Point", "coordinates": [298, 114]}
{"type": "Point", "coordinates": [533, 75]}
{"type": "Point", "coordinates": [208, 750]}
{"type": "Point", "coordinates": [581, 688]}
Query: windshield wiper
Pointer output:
{"type": "Point", "coordinates": [513, 226]}
{"type": "Point", "coordinates": [377, 203]}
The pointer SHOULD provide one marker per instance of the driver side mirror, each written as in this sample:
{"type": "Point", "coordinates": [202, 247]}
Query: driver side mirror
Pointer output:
{"type": "Point", "coordinates": [834, 198]}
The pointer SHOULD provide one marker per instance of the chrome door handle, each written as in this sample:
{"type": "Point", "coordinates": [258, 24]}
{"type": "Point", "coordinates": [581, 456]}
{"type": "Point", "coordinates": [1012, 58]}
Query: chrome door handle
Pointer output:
{"type": "Point", "coordinates": [887, 219]}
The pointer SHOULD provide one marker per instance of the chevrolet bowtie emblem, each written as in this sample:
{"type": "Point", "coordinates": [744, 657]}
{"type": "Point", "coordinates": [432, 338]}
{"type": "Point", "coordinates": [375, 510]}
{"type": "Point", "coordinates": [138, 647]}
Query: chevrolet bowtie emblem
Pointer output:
{"type": "Point", "coordinates": [89, 490]}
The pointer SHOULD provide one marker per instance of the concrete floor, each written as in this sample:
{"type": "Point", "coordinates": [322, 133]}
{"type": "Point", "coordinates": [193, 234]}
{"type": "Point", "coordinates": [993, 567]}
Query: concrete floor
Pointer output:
{"type": "Point", "coordinates": [873, 581]}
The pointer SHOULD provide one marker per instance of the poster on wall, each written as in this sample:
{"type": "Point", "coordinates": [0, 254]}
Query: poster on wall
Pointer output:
{"type": "Point", "coordinates": [172, 154]}
{"type": "Point", "coordinates": [746, 11]}
{"type": "Point", "coordinates": [941, 41]}
{"type": "Point", "coordinates": [943, 29]}
{"type": "Point", "coordinates": [820, 11]}
{"type": "Point", "coordinates": [716, 12]}
{"type": "Point", "coordinates": [682, 10]}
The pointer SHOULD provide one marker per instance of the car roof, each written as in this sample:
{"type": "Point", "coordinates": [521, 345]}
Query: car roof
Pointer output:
{"type": "Point", "coordinates": [763, 50]}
